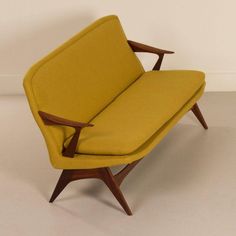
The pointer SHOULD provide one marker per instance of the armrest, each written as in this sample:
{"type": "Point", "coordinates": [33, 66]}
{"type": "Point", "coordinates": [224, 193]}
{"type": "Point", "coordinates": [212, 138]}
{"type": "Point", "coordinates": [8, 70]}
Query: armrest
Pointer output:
{"type": "Point", "coordinates": [139, 47]}
{"type": "Point", "coordinates": [50, 119]}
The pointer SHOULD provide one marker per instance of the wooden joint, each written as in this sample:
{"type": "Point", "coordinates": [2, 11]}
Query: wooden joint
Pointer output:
{"type": "Point", "coordinates": [50, 119]}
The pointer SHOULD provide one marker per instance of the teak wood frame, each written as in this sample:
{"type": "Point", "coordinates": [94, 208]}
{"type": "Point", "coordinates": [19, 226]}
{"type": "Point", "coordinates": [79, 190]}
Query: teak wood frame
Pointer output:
{"type": "Point", "coordinates": [113, 182]}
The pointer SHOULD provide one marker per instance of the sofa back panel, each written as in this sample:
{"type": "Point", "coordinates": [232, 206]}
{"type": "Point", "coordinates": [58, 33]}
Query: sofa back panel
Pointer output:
{"type": "Point", "coordinates": [81, 77]}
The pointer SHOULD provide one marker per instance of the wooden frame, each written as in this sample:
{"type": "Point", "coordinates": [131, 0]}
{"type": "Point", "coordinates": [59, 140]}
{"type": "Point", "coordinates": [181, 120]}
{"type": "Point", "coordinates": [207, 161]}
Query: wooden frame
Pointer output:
{"type": "Point", "coordinates": [139, 47]}
{"type": "Point", "coordinates": [50, 119]}
{"type": "Point", "coordinates": [196, 111]}
{"type": "Point", "coordinates": [113, 182]}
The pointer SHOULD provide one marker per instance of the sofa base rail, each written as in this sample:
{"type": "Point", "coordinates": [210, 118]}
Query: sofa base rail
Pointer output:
{"type": "Point", "coordinates": [113, 182]}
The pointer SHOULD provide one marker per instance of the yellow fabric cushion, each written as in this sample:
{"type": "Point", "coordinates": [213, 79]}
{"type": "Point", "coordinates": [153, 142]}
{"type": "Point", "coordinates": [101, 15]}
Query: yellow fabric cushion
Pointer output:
{"type": "Point", "coordinates": [86, 161]}
{"type": "Point", "coordinates": [139, 112]}
{"type": "Point", "coordinates": [81, 77]}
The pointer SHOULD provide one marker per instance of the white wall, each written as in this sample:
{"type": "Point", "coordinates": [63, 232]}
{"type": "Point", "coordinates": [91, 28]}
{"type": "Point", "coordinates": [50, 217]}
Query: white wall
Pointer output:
{"type": "Point", "coordinates": [201, 32]}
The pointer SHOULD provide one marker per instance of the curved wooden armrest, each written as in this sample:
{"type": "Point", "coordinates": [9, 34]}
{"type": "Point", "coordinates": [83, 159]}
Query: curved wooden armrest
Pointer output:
{"type": "Point", "coordinates": [50, 119]}
{"type": "Point", "coordinates": [139, 47]}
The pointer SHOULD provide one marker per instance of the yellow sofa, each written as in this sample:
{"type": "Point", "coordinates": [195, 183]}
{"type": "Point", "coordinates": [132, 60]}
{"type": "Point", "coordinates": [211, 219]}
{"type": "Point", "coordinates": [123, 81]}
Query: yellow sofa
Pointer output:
{"type": "Point", "coordinates": [97, 107]}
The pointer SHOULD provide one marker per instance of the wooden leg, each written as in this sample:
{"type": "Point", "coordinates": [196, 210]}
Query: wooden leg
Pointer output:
{"type": "Point", "coordinates": [110, 181]}
{"type": "Point", "coordinates": [61, 184]}
{"type": "Point", "coordinates": [195, 109]}
{"type": "Point", "coordinates": [103, 174]}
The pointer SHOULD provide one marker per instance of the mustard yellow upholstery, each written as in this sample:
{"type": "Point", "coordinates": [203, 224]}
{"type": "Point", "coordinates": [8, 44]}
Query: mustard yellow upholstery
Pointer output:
{"type": "Point", "coordinates": [135, 115]}
{"type": "Point", "coordinates": [96, 77]}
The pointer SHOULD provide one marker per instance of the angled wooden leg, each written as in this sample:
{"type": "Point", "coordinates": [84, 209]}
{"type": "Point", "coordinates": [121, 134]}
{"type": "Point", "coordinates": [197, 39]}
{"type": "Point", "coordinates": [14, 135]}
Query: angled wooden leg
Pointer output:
{"type": "Point", "coordinates": [71, 175]}
{"type": "Point", "coordinates": [195, 109]}
{"type": "Point", "coordinates": [61, 184]}
{"type": "Point", "coordinates": [119, 177]}
{"type": "Point", "coordinates": [103, 174]}
{"type": "Point", "coordinates": [110, 181]}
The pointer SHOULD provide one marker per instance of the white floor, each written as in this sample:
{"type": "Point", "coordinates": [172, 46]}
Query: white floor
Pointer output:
{"type": "Point", "coordinates": [185, 187]}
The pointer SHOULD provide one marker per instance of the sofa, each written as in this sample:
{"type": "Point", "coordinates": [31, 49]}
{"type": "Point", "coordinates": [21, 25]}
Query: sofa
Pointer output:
{"type": "Point", "coordinates": [98, 108]}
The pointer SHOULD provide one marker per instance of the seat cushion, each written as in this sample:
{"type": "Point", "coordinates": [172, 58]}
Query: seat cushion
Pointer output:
{"type": "Point", "coordinates": [139, 112]}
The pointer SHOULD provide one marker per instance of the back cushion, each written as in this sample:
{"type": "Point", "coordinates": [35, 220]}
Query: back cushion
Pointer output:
{"type": "Point", "coordinates": [85, 74]}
